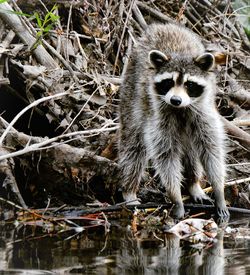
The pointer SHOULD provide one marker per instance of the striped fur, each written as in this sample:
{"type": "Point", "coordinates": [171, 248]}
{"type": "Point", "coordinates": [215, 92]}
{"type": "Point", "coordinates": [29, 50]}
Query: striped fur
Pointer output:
{"type": "Point", "coordinates": [181, 140]}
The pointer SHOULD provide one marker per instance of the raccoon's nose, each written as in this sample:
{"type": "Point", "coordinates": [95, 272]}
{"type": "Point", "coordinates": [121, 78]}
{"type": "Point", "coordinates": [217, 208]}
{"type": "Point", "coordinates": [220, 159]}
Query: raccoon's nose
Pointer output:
{"type": "Point", "coordinates": [175, 100]}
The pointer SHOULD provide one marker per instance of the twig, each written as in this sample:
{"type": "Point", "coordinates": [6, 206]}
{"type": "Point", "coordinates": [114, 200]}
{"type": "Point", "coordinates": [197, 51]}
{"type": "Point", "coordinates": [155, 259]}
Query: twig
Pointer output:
{"type": "Point", "coordinates": [233, 182]}
{"type": "Point", "coordinates": [123, 33]}
{"type": "Point", "coordinates": [41, 145]}
{"type": "Point", "coordinates": [78, 114]}
{"type": "Point", "coordinates": [238, 164]}
{"type": "Point", "coordinates": [16, 25]}
{"type": "Point", "coordinates": [243, 35]}
{"type": "Point", "coordinates": [181, 11]}
{"type": "Point", "coordinates": [33, 104]}
{"type": "Point", "coordinates": [113, 208]}
{"type": "Point", "coordinates": [139, 17]}
{"type": "Point", "coordinates": [227, 184]}
{"type": "Point", "coordinates": [158, 238]}
{"type": "Point", "coordinates": [241, 122]}
{"type": "Point", "coordinates": [63, 61]}
{"type": "Point", "coordinates": [106, 224]}
{"type": "Point", "coordinates": [242, 136]}
{"type": "Point", "coordinates": [67, 30]}
{"type": "Point", "coordinates": [158, 15]}
{"type": "Point", "coordinates": [12, 203]}
{"type": "Point", "coordinates": [237, 92]}
{"type": "Point", "coordinates": [127, 56]}
{"type": "Point", "coordinates": [52, 50]}
{"type": "Point", "coordinates": [77, 35]}
{"type": "Point", "coordinates": [105, 243]}
{"type": "Point", "coordinates": [225, 19]}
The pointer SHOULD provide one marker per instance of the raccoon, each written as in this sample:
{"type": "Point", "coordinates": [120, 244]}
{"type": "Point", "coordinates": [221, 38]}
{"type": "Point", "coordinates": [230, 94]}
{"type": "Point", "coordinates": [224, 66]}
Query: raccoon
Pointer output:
{"type": "Point", "coordinates": [168, 116]}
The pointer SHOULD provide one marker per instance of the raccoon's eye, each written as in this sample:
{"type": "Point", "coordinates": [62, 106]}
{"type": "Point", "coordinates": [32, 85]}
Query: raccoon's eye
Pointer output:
{"type": "Point", "coordinates": [193, 89]}
{"type": "Point", "coordinates": [164, 86]}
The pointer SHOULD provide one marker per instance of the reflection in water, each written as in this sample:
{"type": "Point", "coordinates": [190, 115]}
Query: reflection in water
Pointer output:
{"type": "Point", "coordinates": [119, 252]}
{"type": "Point", "coordinates": [214, 260]}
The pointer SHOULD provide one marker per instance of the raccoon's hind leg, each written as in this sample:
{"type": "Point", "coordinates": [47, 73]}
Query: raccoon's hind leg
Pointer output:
{"type": "Point", "coordinates": [213, 161]}
{"type": "Point", "coordinates": [132, 159]}
{"type": "Point", "coordinates": [214, 166]}
{"type": "Point", "coordinates": [169, 167]}
{"type": "Point", "coordinates": [171, 177]}
{"type": "Point", "coordinates": [193, 173]}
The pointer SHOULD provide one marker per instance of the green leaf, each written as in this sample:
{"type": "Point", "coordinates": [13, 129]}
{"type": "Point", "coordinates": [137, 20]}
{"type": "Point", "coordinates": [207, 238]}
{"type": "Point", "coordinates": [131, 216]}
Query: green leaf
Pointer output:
{"type": "Point", "coordinates": [54, 17]}
{"type": "Point", "coordinates": [14, 12]}
{"type": "Point", "coordinates": [48, 28]}
{"type": "Point", "coordinates": [50, 16]}
{"type": "Point", "coordinates": [39, 34]}
{"type": "Point", "coordinates": [2, 1]}
{"type": "Point", "coordinates": [38, 19]}
{"type": "Point", "coordinates": [54, 8]}
{"type": "Point", "coordinates": [46, 18]}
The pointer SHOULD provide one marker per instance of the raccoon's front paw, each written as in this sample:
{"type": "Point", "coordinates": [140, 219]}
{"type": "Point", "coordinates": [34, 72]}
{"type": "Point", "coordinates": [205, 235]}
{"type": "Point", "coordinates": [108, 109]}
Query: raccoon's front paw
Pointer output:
{"type": "Point", "coordinates": [198, 194]}
{"type": "Point", "coordinates": [178, 211]}
{"type": "Point", "coordinates": [202, 199]}
{"type": "Point", "coordinates": [131, 198]}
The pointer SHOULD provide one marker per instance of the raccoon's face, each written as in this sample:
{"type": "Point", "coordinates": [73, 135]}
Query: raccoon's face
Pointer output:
{"type": "Point", "coordinates": [180, 87]}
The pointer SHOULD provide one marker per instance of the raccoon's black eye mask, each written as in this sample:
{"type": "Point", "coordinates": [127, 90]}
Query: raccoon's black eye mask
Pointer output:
{"type": "Point", "coordinates": [164, 86]}
{"type": "Point", "coordinates": [193, 89]}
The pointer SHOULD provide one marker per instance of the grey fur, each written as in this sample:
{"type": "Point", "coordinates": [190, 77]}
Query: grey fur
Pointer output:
{"type": "Point", "coordinates": [177, 140]}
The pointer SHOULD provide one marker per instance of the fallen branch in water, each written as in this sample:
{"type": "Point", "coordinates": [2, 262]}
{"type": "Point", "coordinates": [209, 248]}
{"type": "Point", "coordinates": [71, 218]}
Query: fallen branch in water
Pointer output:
{"type": "Point", "coordinates": [119, 207]}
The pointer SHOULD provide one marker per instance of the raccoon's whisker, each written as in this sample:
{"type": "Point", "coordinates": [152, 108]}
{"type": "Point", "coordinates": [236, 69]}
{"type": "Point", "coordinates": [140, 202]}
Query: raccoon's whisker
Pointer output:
{"type": "Point", "coordinates": [162, 105]}
{"type": "Point", "coordinates": [198, 111]}
{"type": "Point", "coordinates": [194, 109]}
{"type": "Point", "coordinates": [160, 97]}
{"type": "Point", "coordinates": [191, 107]}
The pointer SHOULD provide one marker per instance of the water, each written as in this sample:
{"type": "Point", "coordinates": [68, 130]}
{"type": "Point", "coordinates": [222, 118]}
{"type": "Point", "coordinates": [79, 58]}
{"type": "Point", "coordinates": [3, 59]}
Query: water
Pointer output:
{"type": "Point", "coordinates": [29, 250]}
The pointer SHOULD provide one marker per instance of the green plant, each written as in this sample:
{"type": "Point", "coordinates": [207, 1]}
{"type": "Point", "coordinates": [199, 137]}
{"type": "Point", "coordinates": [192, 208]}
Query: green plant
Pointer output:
{"type": "Point", "coordinates": [45, 24]}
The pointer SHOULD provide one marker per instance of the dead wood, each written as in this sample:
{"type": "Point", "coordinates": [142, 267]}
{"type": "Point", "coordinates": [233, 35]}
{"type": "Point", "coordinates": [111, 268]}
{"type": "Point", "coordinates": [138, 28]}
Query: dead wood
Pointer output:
{"type": "Point", "coordinates": [60, 163]}
{"type": "Point", "coordinates": [190, 208]}
{"type": "Point", "coordinates": [238, 93]}
{"type": "Point", "coordinates": [9, 183]}
{"type": "Point", "coordinates": [14, 22]}
{"type": "Point", "coordinates": [154, 13]}
{"type": "Point", "coordinates": [242, 34]}
{"type": "Point", "coordinates": [237, 133]}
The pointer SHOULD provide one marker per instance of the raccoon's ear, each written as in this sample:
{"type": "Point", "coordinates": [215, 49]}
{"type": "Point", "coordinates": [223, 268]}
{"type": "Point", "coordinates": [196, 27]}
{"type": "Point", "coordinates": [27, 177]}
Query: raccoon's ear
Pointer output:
{"type": "Point", "coordinates": [157, 58]}
{"type": "Point", "coordinates": [205, 61]}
